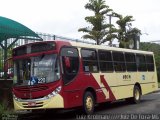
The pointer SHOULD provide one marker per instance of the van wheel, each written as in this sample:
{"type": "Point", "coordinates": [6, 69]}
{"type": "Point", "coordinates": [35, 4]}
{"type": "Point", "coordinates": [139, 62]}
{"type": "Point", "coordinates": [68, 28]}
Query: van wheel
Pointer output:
{"type": "Point", "coordinates": [88, 103]}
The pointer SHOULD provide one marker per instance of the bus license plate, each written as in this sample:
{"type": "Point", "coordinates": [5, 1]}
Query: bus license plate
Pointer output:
{"type": "Point", "coordinates": [31, 103]}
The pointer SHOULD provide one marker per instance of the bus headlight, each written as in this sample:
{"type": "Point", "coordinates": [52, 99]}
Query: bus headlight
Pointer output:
{"type": "Point", "coordinates": [17, 99]}
{"type": "Point", "coordinates": [54, 93]}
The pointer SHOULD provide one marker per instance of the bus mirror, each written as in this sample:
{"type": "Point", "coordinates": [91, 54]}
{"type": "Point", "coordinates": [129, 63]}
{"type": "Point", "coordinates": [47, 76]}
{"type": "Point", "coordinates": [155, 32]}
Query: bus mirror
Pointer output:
{"type": "Point", "coordinates": [67, 62]}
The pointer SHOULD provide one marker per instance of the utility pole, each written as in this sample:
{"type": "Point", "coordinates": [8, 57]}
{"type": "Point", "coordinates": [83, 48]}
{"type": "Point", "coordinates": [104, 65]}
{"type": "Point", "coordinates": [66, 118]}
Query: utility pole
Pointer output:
{"type": "Point", "coordinates": [110, 23]}
{"type": "Point", "coordinates": [110, 19]}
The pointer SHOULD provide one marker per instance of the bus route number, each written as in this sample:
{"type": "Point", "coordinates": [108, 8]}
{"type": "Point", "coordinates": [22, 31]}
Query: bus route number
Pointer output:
{"type": "Point", "coordinates": [42, 80]}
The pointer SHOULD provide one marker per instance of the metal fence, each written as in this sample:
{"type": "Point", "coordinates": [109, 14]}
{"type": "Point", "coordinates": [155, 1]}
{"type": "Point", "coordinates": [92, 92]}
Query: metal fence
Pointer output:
{"type": "Point", "coordinates": [44, 36]}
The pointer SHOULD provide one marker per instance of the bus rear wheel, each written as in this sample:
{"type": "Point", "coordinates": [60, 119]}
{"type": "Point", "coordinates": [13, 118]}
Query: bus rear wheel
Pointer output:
{"type": "Point", "coordinates": [88, 103]}
{"type": "Point", "coordinates": [136, 96]}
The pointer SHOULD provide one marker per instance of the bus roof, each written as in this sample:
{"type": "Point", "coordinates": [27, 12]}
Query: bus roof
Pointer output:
{"type": "Point", "coordinates": [92, 46]}
{"type": "Point", "coordinates": [103, 47]}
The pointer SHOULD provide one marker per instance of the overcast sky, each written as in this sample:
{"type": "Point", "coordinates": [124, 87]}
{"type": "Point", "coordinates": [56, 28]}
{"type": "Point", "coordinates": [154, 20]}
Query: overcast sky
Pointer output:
{"type": "Point", "coordinates": [64, 17]}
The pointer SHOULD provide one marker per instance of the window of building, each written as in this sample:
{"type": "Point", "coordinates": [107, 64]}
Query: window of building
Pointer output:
{"type": "Point", "coordinates": [105, 61]}
{"type": "Point", "coordinates": [70, 63]}
{"type": "Point", "coordinates": [130, 62]}
{"type": "Point", "coordinates": [119, 62]}
{"type": "Point", "coordinates": [89, 57]}
{"type": "Point", "coordinates": [150, 62]}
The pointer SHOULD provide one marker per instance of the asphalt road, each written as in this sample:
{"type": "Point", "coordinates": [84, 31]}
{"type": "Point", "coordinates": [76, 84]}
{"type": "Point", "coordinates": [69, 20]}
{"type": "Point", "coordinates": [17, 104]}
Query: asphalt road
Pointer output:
{"type": "Point", "coordinates": [148, 108]}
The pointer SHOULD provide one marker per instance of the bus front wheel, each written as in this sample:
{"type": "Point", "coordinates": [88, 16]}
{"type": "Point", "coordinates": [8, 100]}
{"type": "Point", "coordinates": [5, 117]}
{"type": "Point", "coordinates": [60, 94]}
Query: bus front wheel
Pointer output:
{"type": "Point", "coordinates": [88, 103]}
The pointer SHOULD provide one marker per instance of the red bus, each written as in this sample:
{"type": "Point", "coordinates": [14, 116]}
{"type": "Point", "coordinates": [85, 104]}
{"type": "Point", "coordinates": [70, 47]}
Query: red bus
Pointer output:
{"type": "Point", "coordinates": [63, 74]}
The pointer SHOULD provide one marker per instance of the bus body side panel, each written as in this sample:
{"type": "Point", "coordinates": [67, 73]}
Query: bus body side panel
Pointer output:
{"type": "Point", "coordinates": [148, 82]}
{"type": "Point", "coordinates": [105, 81]}
{"type": "Point", "coordinates": [125, 84]}
{"type": "Point", "coordinates": [118, 83]}
{"type": "Point", "coordinates": [74, 91]}
{"type": "Point", "coordinates": [122, 84]}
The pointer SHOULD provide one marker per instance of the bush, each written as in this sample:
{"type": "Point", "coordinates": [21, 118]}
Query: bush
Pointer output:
{"type": "Point", "coordinates": [3, 110]}
{"type": "Point", "coordinates": [158, 74]}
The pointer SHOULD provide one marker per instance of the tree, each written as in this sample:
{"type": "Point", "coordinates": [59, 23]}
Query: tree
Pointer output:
{"type": "Point", "coordinates": [9, 51]}
{"type": "Point", "coordinates": [125, 30]}
{"type": "Point", "coordinates": [101, 32]}
{"type": "Point", "coordinates": [146, 46]}
{"type": "Point", "coordinates": [98, 29]}
{"type": "Point", "coordinates": [1, 60]}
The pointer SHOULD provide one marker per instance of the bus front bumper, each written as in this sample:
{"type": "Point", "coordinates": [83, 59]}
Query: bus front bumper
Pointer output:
{"type": "Point", "coordinates": [41, 103]}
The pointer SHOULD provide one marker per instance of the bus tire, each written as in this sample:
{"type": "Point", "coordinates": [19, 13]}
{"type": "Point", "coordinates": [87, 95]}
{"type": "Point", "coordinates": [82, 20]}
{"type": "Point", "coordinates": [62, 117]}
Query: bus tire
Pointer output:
{"type": "Point", "coordinates": [88, 103]}
{"type": "Point", "coordinates": [136, 96]}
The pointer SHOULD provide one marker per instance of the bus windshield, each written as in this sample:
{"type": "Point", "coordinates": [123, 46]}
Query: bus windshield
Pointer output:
{"type": "Point", "coordinates": [36, 70]}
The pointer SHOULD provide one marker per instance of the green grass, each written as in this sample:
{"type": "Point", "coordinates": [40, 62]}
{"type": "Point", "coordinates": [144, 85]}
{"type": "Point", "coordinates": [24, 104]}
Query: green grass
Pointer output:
{"type": "Point", "coordinates": [4, 110]}
{"type": "Point", "coordinates": [159, 85]}
{"type": "Point", "coordinates": [7, 114]}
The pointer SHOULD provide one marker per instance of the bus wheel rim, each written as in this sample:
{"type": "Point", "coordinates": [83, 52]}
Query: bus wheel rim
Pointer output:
{"type": "Point", "coordinates": [89, 103]}
{"type": "Point", "coordinates": [137, 94]}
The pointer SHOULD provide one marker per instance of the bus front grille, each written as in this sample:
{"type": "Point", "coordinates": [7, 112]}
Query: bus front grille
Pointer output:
{"type": "Point", "coordinates": [31, 89]}
{"type": "Point", "coordinates": [38, 104]}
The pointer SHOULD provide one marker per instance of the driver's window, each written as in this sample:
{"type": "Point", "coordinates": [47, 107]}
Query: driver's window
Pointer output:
{"type": "Point", "coordinates": [70, 63]}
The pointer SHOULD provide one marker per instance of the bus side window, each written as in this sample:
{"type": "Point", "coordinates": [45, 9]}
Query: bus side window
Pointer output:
{"type": "Point", "coordinates": [70, 63]}
{"type": "Point", "coordinates": [90, 62]}
{"type": "Point", "coordinates": [130, 62]}
{"type": "Point", "coordinates": [105, 61]}
{"type": "Point", "coordinates": [119, 62]}
{"type": "Point", "coordinates": [141, 62]}
{"type": "Point", "coordinates": [150, 62]}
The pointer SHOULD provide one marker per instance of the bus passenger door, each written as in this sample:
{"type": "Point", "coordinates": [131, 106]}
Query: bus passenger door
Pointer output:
{"type": "Point", "coordinates": [70, 69]}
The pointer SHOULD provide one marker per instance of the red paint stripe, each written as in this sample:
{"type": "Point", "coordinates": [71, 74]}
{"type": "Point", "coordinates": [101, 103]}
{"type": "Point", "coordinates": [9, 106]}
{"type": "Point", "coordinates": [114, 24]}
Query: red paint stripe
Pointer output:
{"type": "Point", "coordinates": [111, 95]}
